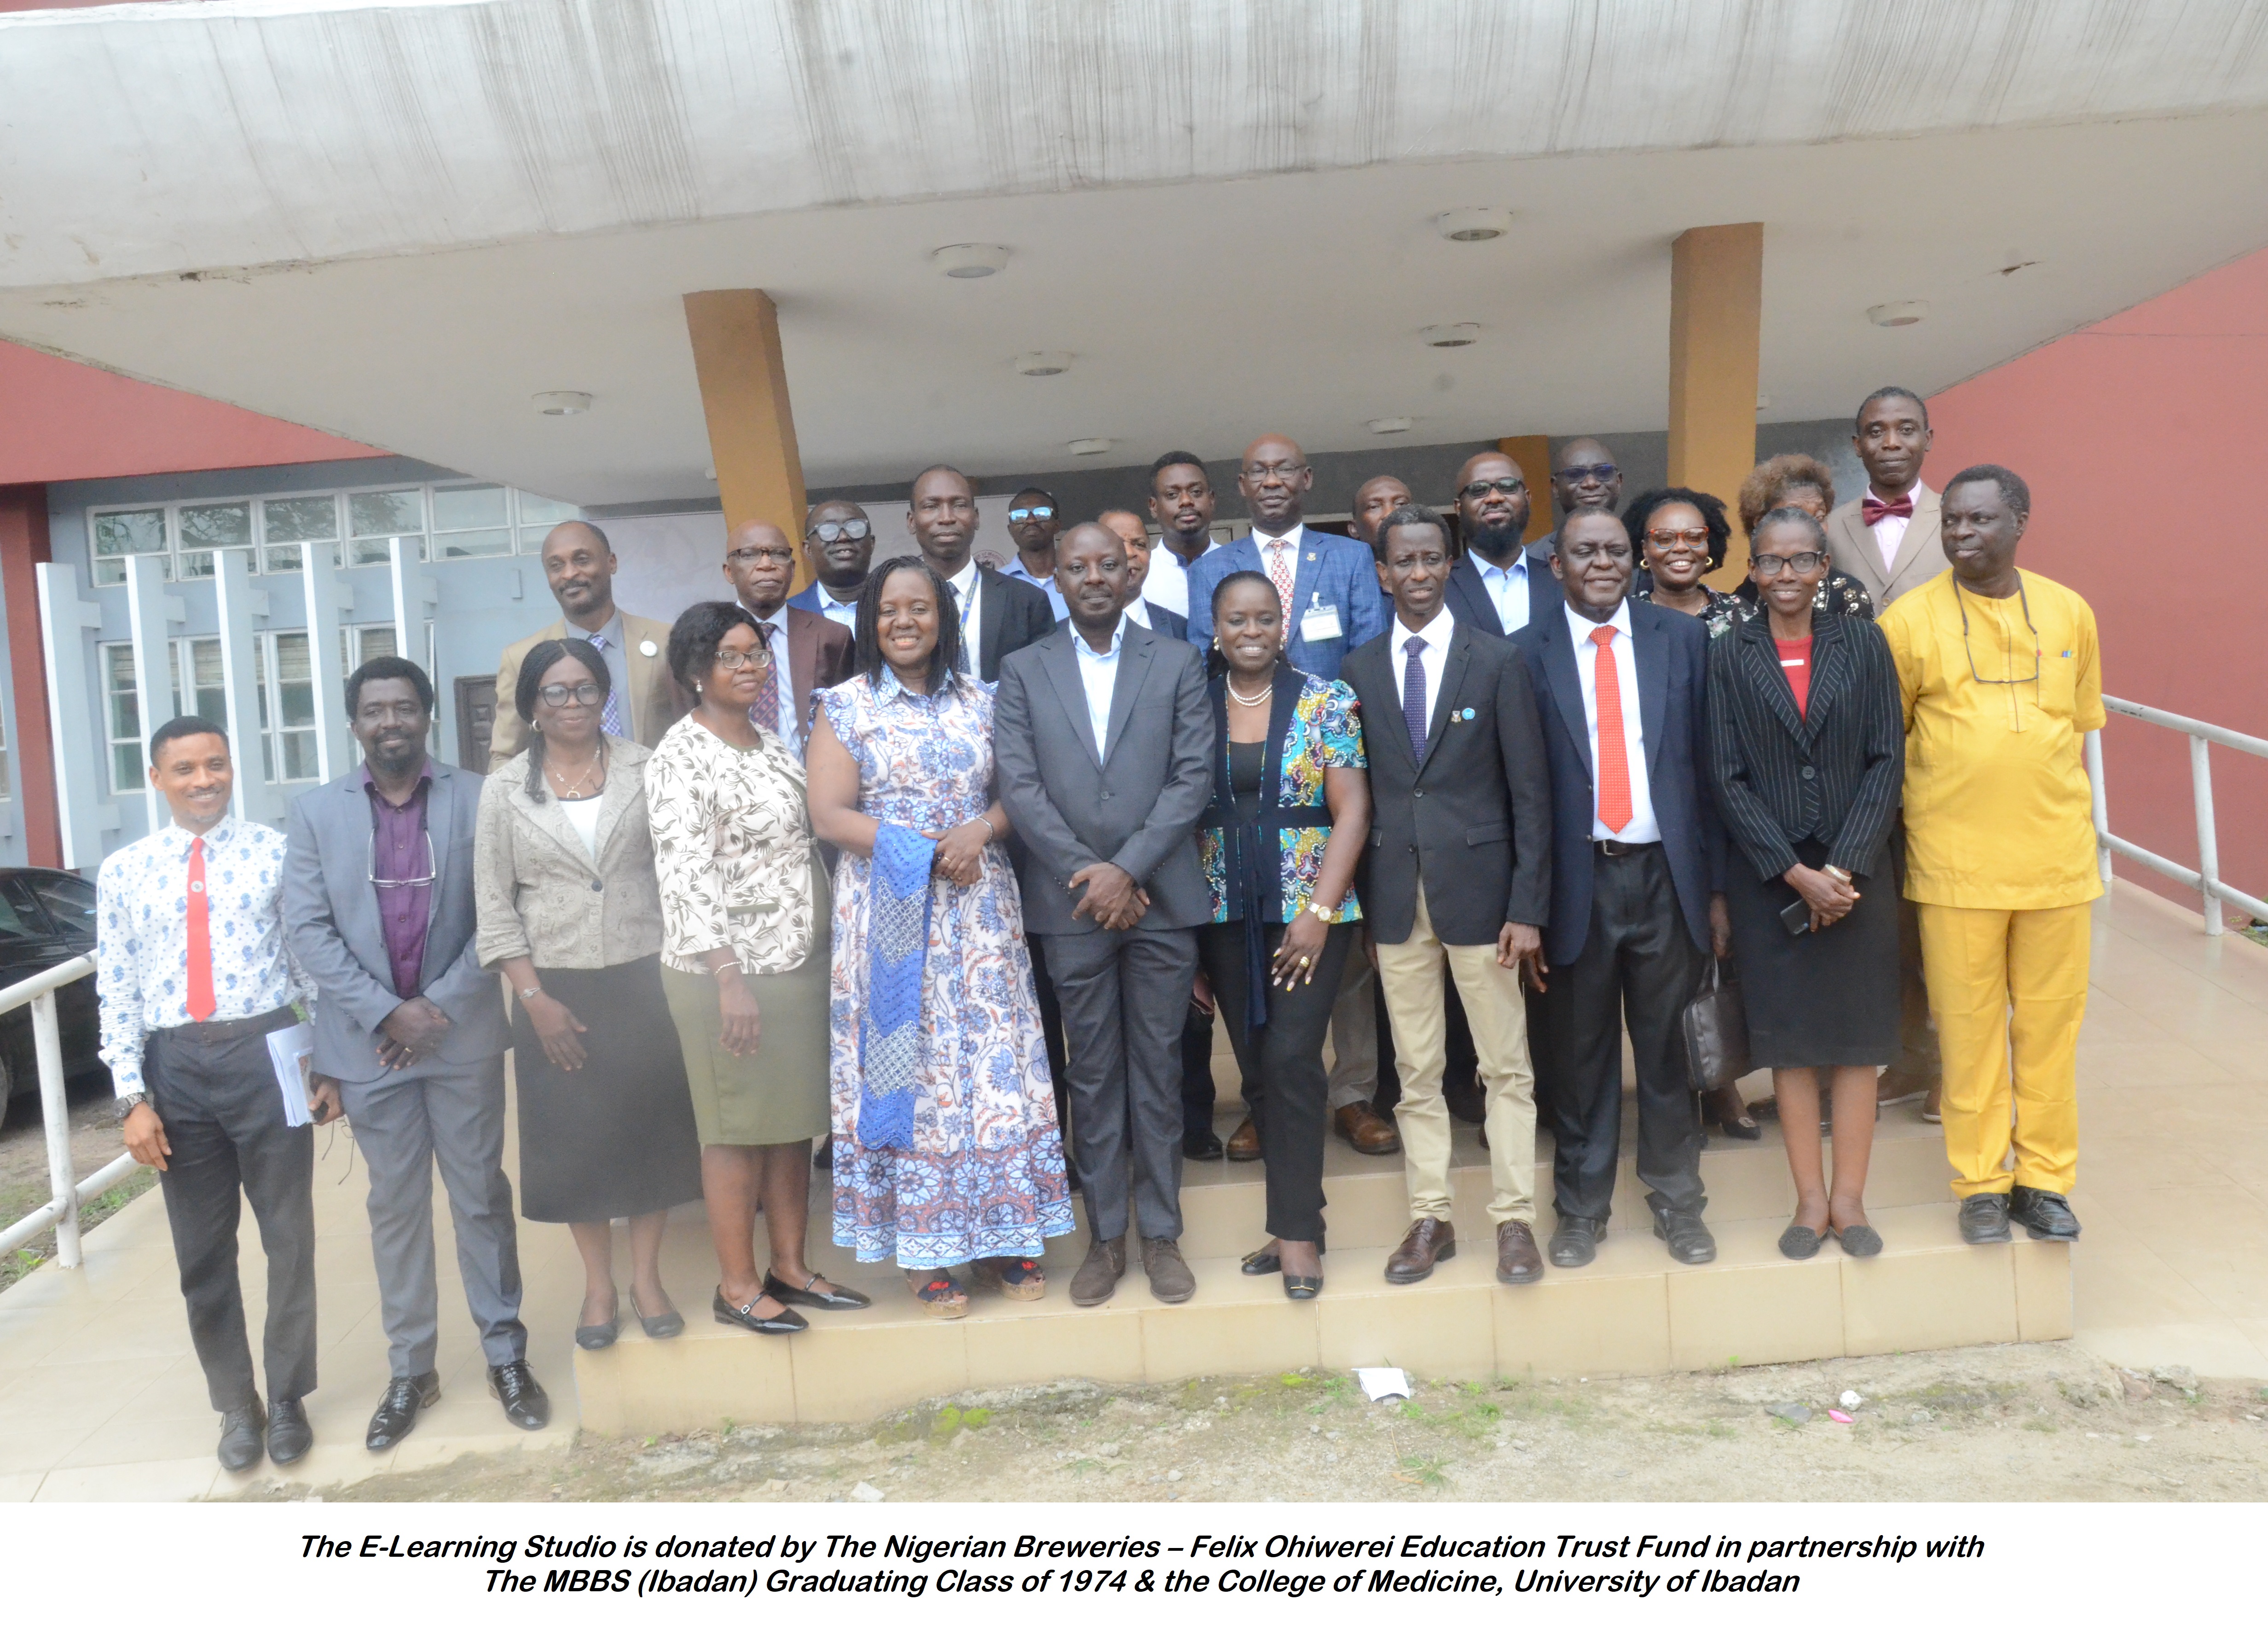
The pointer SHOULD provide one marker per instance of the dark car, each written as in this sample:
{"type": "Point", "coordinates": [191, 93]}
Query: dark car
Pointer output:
{"type": "Point", "coordinates": [46, 917]}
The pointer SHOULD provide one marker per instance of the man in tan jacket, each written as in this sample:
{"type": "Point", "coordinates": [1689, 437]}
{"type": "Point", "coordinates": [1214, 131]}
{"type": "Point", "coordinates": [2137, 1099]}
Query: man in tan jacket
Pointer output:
{"type": "Point", "coordinates": [579, 565]}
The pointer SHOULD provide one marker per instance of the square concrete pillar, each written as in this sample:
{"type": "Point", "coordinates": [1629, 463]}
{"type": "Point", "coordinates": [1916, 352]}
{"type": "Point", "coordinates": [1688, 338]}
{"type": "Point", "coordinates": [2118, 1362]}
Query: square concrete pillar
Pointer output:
{"type": "Point", "coordinates": [736, 354]}
{"type": "Point", "coordinates": [1716, 311]}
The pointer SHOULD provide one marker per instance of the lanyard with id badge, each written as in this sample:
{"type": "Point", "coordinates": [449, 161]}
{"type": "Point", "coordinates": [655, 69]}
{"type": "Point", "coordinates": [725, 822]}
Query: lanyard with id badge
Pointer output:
{"type": "Point", "coordinates": [1320, 622]}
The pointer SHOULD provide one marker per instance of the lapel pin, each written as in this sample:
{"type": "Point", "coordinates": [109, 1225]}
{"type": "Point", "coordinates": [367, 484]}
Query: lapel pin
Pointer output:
{"type": "Point", "coordinates": [1311, 555]}
{"type": "Point", "coordinates": [1468, 712]}
{"type": "Point", "coordinates": [648, 648]}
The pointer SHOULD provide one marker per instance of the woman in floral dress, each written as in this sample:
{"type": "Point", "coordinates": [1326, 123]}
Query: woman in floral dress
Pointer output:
{"type": "Point", "coordinates": [947, 1150]}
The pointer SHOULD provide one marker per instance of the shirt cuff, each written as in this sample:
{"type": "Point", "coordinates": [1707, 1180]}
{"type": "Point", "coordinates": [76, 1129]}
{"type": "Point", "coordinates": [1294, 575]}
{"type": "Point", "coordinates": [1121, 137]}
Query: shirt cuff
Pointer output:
{"type": "Point", "coordinates": [126, 1078]}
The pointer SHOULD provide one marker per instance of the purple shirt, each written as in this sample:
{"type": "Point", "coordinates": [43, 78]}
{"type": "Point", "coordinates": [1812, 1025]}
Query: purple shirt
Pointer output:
{"type": "Point", "coordinates": [400, 851]}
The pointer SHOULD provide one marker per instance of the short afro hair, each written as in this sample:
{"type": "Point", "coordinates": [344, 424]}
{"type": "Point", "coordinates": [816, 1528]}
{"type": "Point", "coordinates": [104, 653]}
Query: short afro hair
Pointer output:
{"type": "Point", "coordinates": [1174, 457]}
{"type": "Point", "coordinates": [1640, 512]}
{"type": "Point", "coordinates": [184, 727]}
{"type": "Point", "coordinates": [1769, 484]}
{"type": "Point", "coordinates": [1858, 420]}
{"type": "Point", "coordinates": [967, 481]}
{"type": "Point", "coordinates": [2015, 493]}
{"type": "Point", "coordinates": [1413, 516]}
{"type": "Point", "coordinates": [388, 668]}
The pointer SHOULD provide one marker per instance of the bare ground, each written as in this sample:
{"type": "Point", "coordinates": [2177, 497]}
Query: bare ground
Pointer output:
{"type": "Point", "coordinates": [2021, 1422]}
{"type": "Point", "coordinates": [24, 1166]}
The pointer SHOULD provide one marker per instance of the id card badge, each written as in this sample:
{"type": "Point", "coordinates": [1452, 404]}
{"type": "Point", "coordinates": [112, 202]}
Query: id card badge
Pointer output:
{"type": "Point", "coordinates": [1320, 623]}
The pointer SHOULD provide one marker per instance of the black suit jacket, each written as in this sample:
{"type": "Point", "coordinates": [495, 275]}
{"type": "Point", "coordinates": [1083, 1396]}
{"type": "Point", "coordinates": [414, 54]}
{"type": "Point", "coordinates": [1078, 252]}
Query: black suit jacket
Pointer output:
{"type": "Point", "coordinates": [1833, 773]}
{"type": "Point", "coordinates": [1166, 622]}
{"type": "Point", "coordinates": [1010, 615]}
{"type": "Point", "coordinates": [1469, 600]}
{"type": "Point", "coordinates": [1671, 654]}
{"type": "Point", "coordinates": [1474, 817]}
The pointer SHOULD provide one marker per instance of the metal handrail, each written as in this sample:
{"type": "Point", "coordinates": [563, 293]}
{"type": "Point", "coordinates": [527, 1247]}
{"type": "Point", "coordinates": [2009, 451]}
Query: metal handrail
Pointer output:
{"type": "Point", "coordinates": [61, 1210]}
{"type": "Point", "coordinates": [2205, 878]}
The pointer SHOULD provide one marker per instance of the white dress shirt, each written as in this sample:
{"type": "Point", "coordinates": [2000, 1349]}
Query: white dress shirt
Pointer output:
{"type": "Point", "coordinates": [1508, 588]}
{"type": "Point", "coordinates": [1169, 584]}
{"type": "Point", "coordinates": [1098, 673]}
{"type": "Point", "coordinates": [969, 590]}
{"type": "Point", "coordinates": [791, 711]}
{"type": "Point", "coordinates": [142, 937]}
{"type": "Point", "coordinates": [1890, 531]}
{"type": "Point", "coordinates": [1642, 828]}
{"type": "Point", "coordinates": [843, 612]}
{"type": "Point", "coordinates": [1138, 610]}
{"type": "Point", "coordinates": [1434, 659]}
{"type": "Point", "coordinates": [1269, 544]}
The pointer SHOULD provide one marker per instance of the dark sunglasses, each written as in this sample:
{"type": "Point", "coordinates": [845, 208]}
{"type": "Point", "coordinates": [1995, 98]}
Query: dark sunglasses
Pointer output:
{"type": "Point", "coordinates": [1587, 474]}
{"type": "Point", "coordinates": [1510, 487]}
{"type": "Point", "coordinates": [1031, 513]}
{"type": "Point", "coordinates": [828, 533]}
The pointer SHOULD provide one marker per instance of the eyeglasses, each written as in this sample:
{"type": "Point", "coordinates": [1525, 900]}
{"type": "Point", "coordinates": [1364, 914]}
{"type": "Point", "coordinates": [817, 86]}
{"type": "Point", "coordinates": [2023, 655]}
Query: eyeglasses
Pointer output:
{"type": "Point", "coordinates": [1772, 567]}
{"type": "Point", "coordinates": [2033, 680]}
{"type": "Point", "coordinates": [432, 872]}
{"type": "Point", "coordinates": [1510, 487]}
{"type": "Point", "coordinates": [1031, 513]}
{"type": "Point", "coordinates": [1575, 477]}
{"type": "Point", "coordinates": [1580, 554]}
{"type": "Point", "coordinates": [1283, 470]}
{"type": "Point", "coordinates": [731, 659]}
{"type": "Point", "coordinates": [750, 554]}
{"type": "Point", "coordinates": [1663, 538]}
{"type": "Point", "coordinates": [830, 533]}
{"type": "Point", "coordinates": [558, 695]}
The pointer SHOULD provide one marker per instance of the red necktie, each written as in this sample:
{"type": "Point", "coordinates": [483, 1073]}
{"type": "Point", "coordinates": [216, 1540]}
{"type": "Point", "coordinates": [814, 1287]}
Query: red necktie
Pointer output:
{"type": "Point", "coordinates": [1614, 759]}
{"type": "Point", "coordinates": [201, 992]}
{"type": "Point", "coordinates": [1873, 511]}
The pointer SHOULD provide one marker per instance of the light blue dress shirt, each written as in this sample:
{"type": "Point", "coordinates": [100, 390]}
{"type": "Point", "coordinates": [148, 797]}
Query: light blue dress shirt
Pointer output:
{"type": "Point", "coordinates": [1098, 673]}
{"type": "Point", "coordinates": [1508, 588]}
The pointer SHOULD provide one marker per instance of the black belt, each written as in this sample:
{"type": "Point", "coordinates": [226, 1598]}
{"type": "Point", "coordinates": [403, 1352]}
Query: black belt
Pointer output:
{"type": "Point", "coordinates": [1622, 848]}
{"type": "Point", "coordinates": [222, 1033]}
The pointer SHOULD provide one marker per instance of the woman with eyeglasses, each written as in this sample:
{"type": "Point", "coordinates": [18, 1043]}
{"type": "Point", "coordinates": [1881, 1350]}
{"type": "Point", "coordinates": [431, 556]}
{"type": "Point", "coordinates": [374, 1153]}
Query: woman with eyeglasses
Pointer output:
{"type": "Point", "coordinates": [1799, 481]}
{"type": "Point", "coordinates": [1680, 534]}
{"type": "Point", "coordinates": [1807, 742]}
{"type": "Point", "coordinates": [570, 912]}
{"type": "Point", "coordinates": [744, 906]}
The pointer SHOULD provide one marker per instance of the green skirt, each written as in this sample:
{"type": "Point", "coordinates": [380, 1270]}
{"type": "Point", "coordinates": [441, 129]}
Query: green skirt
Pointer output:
{"type": "Point", "coordinates": [780, 1094]}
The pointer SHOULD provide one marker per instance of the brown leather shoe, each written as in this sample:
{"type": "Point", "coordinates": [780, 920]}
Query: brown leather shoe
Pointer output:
{"type": "Point", "coordinates": [1427, 1241]}
{"type": "Point", "coordinates": [1099, 1273]}
{"type": "Point", "coordinates": [1365, 1130]}
{"type": "Point", "coordinates": [1171, 1280]}
{"type": "Point", "coordinates": [1244, 1145]}
{"type": "Point", "coordinates": [1518, 1259]}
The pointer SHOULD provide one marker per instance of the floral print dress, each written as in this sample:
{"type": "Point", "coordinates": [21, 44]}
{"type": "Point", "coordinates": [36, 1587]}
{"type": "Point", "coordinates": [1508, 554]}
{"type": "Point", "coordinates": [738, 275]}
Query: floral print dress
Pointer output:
{"type": "Point", "coordinates": [984, 1177]}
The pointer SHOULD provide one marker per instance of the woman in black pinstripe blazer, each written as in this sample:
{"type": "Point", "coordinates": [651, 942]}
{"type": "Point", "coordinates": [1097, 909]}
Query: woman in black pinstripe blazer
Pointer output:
{"type": "Point", "coordinates": [1807, 742]}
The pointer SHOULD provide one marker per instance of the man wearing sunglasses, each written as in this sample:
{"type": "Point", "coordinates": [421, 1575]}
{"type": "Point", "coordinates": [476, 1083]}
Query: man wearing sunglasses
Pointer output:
{"type": "Point", "coordinates": [808, 652]}
{"type": "Point", "coordinates": [1500, 583]}
{"type": "Point", "coordinates": [1034, 519]}
{"type": "Point", "coordinates": [1584, 477]}
{"type": "Point", "coordinates": [838, 542]}
{"type": "Point", "coordinates": [409, 1030]}
{"type": "Point", "coordinates": [2002, 681]}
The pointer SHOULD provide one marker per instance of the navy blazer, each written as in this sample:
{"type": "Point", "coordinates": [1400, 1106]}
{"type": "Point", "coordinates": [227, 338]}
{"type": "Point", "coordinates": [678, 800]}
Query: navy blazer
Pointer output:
{"type": "Point", "coordinates": [807, 598]}
{"type": "Point", "coordinates": [1671, 654]}
{"type": "Point", "coordinates": [1335, 571]}
{"type": "Point", "coordinates": [1469, 600]}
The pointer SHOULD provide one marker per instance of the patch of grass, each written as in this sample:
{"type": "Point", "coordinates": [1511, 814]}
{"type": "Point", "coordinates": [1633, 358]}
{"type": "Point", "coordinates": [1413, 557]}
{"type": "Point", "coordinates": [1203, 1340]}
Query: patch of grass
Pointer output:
{"type": "Point", "coordinates": [1722, 1432]}
{"type": "Point", "coordinates": [19, 1202]}
{"type": "Point", "coordinates": [1424, 1472]}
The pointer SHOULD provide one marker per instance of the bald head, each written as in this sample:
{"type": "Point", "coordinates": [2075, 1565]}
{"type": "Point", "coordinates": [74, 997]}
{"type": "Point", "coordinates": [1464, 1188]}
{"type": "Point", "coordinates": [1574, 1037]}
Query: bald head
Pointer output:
{"type": "Point", "coordinates": [1092, 573]}
{"type": "Point", "coordinates": [760, 562]}
{"type": "Point", "coordinates": [1373, 502]}
{"type": "Point", "coordinates": [1493, 505]}
{"type": "Point", "coordinates": [1584, 473]}
{"type": "Point", "coordinates": [1274, 479]}
{"type": "Point", "coordinates": [579, 564]}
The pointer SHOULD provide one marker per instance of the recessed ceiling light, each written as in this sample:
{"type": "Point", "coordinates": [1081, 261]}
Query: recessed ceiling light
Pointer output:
{"type": "Point", "coordinates": [1473, 226]}
{"type": "Point", "coordinates": [1450, 334]}
{"type": "Point", "coordinates": [1090, 446]}
{"type": "Point", "coordinates": [969, 261]}
{"type": "Point", "coordinates": [562, 402]}
{"type": "Point", "coordinates": [1040, 364]}
{"type": "Point", "coordinates": [1389, 424]}
{"type": "Point", "coordinates": [1897, 314]}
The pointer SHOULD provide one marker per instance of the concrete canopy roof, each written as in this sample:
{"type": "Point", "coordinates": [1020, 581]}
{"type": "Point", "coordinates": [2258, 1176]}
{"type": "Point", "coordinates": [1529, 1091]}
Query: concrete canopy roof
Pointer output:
{"type": "Point", "coordinates": [399, 223]}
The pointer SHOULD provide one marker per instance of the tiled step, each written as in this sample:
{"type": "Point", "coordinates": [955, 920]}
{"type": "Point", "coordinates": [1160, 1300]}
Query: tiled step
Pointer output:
{"type": "Point", "coordinates": [1634, 1311]}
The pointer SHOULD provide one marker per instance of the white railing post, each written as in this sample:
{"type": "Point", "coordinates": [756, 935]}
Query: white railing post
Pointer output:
{"type": "Point", "coordinates": [2208, 838]}
{"type": "Point", "coordinates": [2093, 747]}
{"type": "Point", "coordinates": [62, 1184]}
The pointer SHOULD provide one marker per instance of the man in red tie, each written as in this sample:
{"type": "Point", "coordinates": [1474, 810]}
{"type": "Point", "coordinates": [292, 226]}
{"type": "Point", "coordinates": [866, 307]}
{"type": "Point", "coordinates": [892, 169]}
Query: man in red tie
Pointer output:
{"type": "Point", "coordinates": [193, 973]}
{"type": "Point", "coordinates": [1638, 874]}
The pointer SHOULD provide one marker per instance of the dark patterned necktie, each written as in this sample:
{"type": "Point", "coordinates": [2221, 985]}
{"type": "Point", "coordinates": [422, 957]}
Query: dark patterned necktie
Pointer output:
{"type": "Point", "coordinates": [1413, 694]}
{"type": "Point", "coordinates": [610, 717]}
{"type": "Point", "coordinates": [765, 712]}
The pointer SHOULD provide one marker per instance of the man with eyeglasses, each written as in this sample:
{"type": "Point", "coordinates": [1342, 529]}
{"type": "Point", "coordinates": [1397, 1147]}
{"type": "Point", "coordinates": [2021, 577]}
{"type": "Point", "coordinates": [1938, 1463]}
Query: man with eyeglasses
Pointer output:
{"type": "Point", "coordinates": [1181, 504]}
{"type": "Point", "coordinates": [2002, 681]}
{"type": "Point", "coordinates": [642, 701]}
{"type": "Point", "coordinates": [1499, 583]}
{"type": "Point", "coordinates": [838, 541]}
{"type": "Point", "coordinates": [409, 1031]}
{"type": "Point", "coordinates": [1033, 522]}
{"type": "Point", "coordinates": [1584, 477]}
{"type": "Point", "coordinates": [1325, 581]}
{"type": "Point", "coordinates": [809, 651]}
{"type": "Point", "coordinates": [998, 615]}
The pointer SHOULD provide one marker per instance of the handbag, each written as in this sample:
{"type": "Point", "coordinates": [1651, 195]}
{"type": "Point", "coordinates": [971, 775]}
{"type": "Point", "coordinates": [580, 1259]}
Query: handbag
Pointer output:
{"type": "Point", "coordinates": [1716, 1031]}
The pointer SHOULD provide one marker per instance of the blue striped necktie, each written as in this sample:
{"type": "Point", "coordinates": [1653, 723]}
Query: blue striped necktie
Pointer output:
{"type": "Point", "coordinates": [610, 718]}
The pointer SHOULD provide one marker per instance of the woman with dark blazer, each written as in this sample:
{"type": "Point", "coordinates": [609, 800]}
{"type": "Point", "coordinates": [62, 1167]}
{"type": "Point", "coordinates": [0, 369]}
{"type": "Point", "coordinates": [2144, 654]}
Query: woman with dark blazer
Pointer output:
{"type": "Point", "coordinates": [1808, 741]}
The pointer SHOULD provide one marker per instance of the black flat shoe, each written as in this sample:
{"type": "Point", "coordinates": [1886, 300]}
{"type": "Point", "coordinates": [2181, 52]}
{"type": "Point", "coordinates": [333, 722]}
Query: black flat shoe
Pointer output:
{"type": "Point", "coordinates": [824, 1157]}
{"type": "Point", "coordinates": [745, 1317]}
{"type": "Point", "coordinates": [2043, 1214]}
{"type": "Point", "coordinates": [525, 1404]}
{"type": "Point", "coordinates": [596, 1337]}
{"type": "Point", "coordinates": [289, 1434]}
{"type": "Point", "coordinates": [668, 1326]}
{"type": "Point", "coordinates": [243, 1436]}
{"type": "Point", "coordinates": [1262, 1261]}
{"type": "Point", "coordinates": [1201, 1145]}
{"type": "Point", "coordinates": [1861, 1241]}
{"type": "Point", "coordinates": [1798, 1242]}
{"type": "Point", "coordinates": [1985, 1218]}
{"type": "Point", "coordinates": [398, 1409]}
{"type": "Point", "coordinates": [838, 1298]}
{"type": "Point", "coordinates": [1576, 1242]}
{"type": "Point", "coordinates": [1690, 1242]}
{"type": "Point", "coordinates": [1298, 1288]}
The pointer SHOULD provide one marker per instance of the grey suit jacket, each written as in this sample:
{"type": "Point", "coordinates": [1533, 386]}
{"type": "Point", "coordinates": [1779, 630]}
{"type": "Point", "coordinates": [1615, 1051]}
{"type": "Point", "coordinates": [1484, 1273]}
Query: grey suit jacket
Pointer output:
{"type": "Point", "coordinates": [330, 914]}
{"type": "Point", "coordinates": [1921, 554]}
{"type": "Point", "coordinates": [1137, 806]}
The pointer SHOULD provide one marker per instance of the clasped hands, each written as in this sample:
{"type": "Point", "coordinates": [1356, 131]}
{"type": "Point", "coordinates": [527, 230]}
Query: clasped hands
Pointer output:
{"type": "Point", "coordinates": [1827, 898]}
{"type": "Point", "coordinates": [961, 850]}
{"type": "Point", "coordinates": [1113, 901]}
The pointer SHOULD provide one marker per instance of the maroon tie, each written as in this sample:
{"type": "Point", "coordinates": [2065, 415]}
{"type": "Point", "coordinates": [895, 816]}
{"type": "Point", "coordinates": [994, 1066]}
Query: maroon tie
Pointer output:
{"type": "Point", "coordinates": [1873, 511]}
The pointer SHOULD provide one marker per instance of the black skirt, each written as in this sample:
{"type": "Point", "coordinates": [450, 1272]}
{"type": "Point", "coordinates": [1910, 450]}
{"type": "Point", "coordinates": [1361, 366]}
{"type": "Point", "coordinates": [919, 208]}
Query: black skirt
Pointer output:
{"type": "Point", "coordinates": [615, 1137]}
{"type": "Point", "coordinates": [1826, 998]}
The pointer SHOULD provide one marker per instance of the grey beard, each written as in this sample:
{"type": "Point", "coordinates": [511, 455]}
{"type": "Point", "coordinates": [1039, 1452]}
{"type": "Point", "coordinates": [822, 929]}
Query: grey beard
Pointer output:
{"type": "Point", "coordinates": [1495, 543]}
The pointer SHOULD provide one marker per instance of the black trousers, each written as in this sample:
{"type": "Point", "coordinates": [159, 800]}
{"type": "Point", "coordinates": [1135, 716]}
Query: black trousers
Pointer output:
{"type": "Point", "coordinates": [223, 1118]}
{"type": "Point", "coordinates": [1638, 964]}
{"type": "Point", "coordinates": [1197, 1092]}
{"type": "Point", "coordinates": [1051, 1032]}
{"type": "Point", "coordinates": [1284, 1083]}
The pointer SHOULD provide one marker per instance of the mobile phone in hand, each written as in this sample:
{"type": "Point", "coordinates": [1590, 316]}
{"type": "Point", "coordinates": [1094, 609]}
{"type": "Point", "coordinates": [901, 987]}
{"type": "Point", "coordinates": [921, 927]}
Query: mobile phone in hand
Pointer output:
{"type": "Point", "coordinates": [1796, 917]}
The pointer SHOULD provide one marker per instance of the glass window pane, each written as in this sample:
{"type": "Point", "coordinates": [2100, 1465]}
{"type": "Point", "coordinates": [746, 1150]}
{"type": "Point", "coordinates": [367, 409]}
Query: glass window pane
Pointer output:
{"type": "Point", "coordinates": [70, 902]}
{"type": "Point", "coordinates": [129, 532]}
{"type": "Point", "coordinates": [298, 755]}
{"type": "Point", "coordinates": [211, 698]}
{"type": "Point", "coordinates": [280, 559]}
{"type": "Point", "coordinates": [216, 525]}
{"type": "Point", "coordinates": [125, 768]}
{"type": "Point", "coordinates": [311, 517]}
{"type": "Point", "coordinates": [197, 564]}
{"type": "Point", "coordinates": [367, 553]}
{"type": "Point", "coordinates": [402, 511]}
{"type": "Point", "coordinates": [537, 512]}
{"type": "Point", "coordinates": [374, 641]}
{"type": "Point", "coordinates": [480, 507]}
{"type": "Point", "coordinates": [479, 542]}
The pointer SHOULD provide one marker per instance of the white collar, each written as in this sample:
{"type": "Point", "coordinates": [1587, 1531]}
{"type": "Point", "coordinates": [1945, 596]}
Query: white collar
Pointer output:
{"type": "Point", "coordinates": [828, 599]}
{"type": "Point", "coordinates": [1580, 627]}
{"type": "Point", "coordinates": [1519, 569]}
{"type": "Point", "coordinates": [215, 838]}
{"type": "Point", "coordinates": [967, 577]}
{"type": "Point", "coordinates": [1138, 610]}
{"type": "Point", "coordinates": [1436, 633]}
{"type": "Point", "coordinates": [1261, 541]}
{"type": "Point", "coordinates": [1913, 494]}
{"type": "Point", "coordinates": [1117, 640]}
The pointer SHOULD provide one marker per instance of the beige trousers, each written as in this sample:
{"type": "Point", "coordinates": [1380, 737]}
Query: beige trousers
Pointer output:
{"type": "Point", "coordinates": [1497, 1011]}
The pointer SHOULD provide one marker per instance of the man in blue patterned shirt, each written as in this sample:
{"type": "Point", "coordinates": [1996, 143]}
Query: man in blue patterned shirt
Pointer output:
{"type": "Point", "coordinates": [194, 973]}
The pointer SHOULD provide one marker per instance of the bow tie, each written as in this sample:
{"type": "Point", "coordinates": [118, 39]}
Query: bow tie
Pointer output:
{"type": "Point", "coordinates": [1871, 511]}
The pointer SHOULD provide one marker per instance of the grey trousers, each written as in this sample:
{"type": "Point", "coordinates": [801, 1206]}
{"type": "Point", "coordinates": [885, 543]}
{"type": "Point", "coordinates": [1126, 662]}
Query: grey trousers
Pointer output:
{"type": "Point", "coordinates": [1125, 995]}
{"type": "Point", "coordinates": [1354, 1034]}
{"type": "Point", "coordinates": [405, 1124]}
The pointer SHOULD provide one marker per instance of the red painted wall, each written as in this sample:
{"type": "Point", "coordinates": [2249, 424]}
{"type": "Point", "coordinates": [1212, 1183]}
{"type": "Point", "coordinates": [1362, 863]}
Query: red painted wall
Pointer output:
{"type": "Point", "coordinates": [60, 420]}
{"type": "Point", "coordinates": [2140, 437]}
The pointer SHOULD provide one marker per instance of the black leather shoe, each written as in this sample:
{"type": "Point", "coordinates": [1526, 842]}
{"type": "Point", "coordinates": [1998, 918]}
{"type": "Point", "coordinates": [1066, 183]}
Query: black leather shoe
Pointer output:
{"type": "Point", "coordinates": [525, 1404]}
{"type": "Point", "coordinates": [1690, 1242]}
{"type": "Point", "coordinates": [838, 1298]}
{"type": "Point", "coordinates": [745, 1317]}
{"type": "Point", "coordinates": [243, 1434]}
{"type": "Point", "coordinates": [397, 1410]}
{"type": "Point", "coordinates": [1985, 1218]}
{"type": "Point", "coordinates": [1202, 1144]}
{"type": "Point", "coordinates": [2043, 1214]}
{"type": "Point", "coordinates": [1576, 1242]}
{"type": "Point", "coordinates": [823, 1157]}
{"type": "Point", "coordinates": [289, 1434]}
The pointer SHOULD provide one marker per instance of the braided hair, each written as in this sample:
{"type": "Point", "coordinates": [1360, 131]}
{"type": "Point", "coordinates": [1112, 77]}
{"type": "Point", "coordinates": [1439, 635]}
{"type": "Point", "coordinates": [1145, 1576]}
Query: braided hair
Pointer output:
{"type": "Point", "coordinates": [533, 669]}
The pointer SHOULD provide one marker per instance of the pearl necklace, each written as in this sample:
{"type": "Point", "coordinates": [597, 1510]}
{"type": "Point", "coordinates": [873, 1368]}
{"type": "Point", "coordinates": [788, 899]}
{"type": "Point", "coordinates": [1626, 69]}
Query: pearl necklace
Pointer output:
{"type": "Point", "coordinates": [1265, 694]}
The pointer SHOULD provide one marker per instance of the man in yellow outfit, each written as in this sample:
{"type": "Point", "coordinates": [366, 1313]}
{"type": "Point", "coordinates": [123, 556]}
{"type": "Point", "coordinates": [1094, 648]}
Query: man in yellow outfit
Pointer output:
{"type": "Point", "coordinates": [2002, 681]}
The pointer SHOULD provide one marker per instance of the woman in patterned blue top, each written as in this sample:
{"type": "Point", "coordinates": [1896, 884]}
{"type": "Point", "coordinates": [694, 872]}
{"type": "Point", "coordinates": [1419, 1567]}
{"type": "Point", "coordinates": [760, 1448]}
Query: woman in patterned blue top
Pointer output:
{"type": "Point", "coordinates": [1291, 810]}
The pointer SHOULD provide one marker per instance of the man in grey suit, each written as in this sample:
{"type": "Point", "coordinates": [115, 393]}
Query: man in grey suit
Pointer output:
{"type": "Point", "coordinates": [378, 904]}
{"type": "Point", "coordinates": [1103, 741]}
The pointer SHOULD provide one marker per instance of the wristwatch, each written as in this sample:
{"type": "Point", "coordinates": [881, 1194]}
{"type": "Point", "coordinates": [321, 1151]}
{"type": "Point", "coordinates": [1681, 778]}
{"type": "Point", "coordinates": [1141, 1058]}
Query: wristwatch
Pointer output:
{"type": "Point", "coordinates": [127, 1103]}
{"type": "Point", "coordinates": [1329, 917]}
